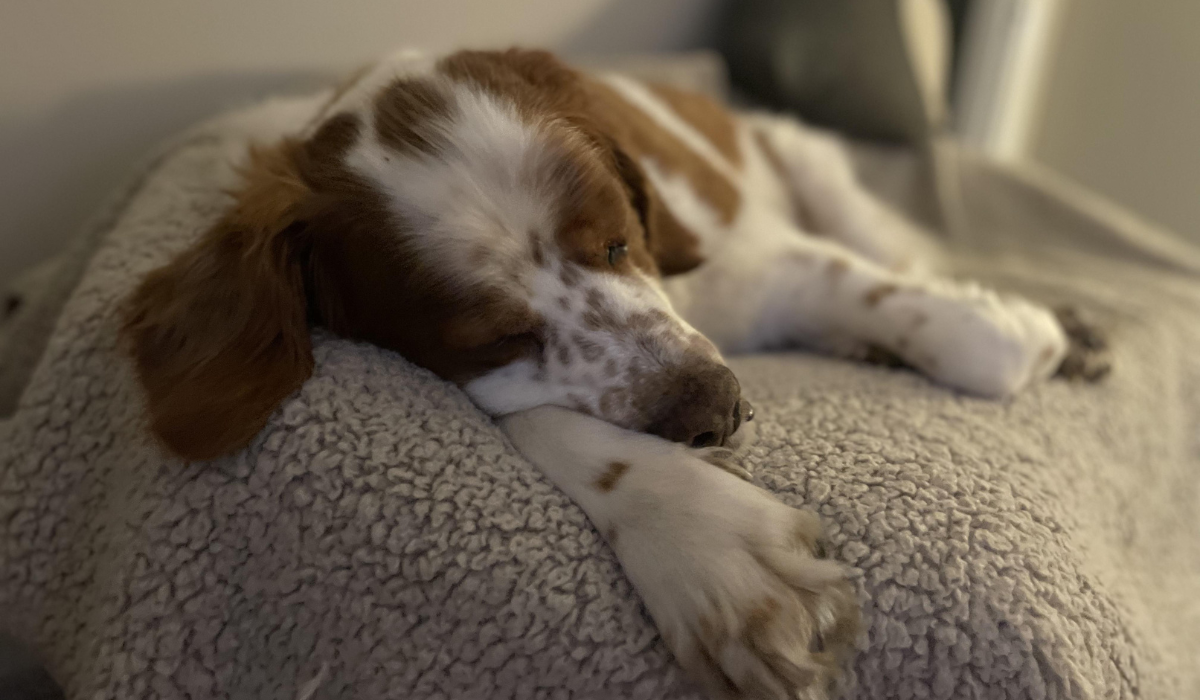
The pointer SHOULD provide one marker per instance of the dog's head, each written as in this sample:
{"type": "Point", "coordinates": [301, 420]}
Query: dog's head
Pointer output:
{"type": "Point", "coordinates": [472, 214]}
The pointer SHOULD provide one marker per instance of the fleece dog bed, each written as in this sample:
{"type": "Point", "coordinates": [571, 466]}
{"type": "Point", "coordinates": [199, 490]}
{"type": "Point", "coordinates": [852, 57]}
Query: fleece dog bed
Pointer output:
{"type": "Point", "coordinates": [380, 539]}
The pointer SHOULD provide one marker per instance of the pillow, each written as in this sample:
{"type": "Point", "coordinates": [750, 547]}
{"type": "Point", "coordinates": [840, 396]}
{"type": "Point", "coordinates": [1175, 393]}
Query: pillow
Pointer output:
{"type": "Point", "coordinates": [380, 538]}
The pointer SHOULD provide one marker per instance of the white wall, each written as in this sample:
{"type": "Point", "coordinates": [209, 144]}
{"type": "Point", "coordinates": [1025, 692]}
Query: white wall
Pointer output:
{"type": "Point", "coordinates": [88, 86]}
{"type": "Point", "coordinates": [1121, 108]}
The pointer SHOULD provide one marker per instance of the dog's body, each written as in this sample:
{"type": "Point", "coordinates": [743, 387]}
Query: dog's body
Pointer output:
{"type": "Point", "coordinates": [572, 251]}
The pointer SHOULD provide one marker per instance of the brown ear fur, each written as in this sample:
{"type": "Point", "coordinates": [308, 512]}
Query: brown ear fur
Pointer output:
{"type": "Point", "coordinates": [219, 336]}
{"type": "Point", "coordinates": [674, 248]}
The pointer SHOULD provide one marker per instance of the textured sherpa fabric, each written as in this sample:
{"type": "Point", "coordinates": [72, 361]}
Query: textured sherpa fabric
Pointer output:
{"type": "Point", "coordinates": [381, 539]}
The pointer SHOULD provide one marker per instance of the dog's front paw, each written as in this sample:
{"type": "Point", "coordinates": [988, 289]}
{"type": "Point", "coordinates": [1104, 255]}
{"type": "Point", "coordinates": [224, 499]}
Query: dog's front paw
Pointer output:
{"type": "Point", "coordinates": [738, 585]}
{"type": "Point", "coordinates": [985, 343]}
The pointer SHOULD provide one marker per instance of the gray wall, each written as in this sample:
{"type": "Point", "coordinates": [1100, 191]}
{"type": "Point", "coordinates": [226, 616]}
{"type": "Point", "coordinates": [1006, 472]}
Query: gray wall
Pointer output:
{"type": "Point", "coordinates": [1121, 107]}
{"type": "Point", "coordinates": [87, 86]}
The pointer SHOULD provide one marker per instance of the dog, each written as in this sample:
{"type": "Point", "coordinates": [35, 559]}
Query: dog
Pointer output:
{"type": "Point", "coordinates": [577, 252]}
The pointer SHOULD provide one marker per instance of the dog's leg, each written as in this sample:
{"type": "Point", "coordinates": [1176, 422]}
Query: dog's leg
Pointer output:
{"type": "Point", "coordinates": [728, 572]}
{"type": "Point", "coordinates": [827, 199]}
{"type": "Point", "coordinates": [778, 288]}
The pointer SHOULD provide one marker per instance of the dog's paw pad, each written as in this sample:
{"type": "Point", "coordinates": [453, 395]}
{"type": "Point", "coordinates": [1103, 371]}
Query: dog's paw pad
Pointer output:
{"type": "Point", "coordinates": [1087, 357]}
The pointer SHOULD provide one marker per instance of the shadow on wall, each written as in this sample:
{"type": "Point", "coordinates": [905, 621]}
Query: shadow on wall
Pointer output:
{"type": "Point", "coordinates": [57, 166]}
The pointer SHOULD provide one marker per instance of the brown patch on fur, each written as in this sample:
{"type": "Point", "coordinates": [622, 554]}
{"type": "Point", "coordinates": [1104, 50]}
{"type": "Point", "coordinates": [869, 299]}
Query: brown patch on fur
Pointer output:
{"type": "Point", "coordinates": [590, 350]}
{"type": "Point", "coordinates": [704, 115]}
{"type": "Point", "coordinates": [603, 206]}
{"type": "Point", "coordinates": [607, 481]}
{"type": "Point", "coordinates": [646, 321]}
{"type": "Point", "coordinates": [569, 275]}
{"type": "Point", "coordinates": [598, 316]}
{"type": "Point", "coordinates": [563, 352]}
{"type": "Point", "coordinates": [838, 267]}
{"type": "Point", "coordinates": [878, 293]}
{"type": "Point", "coordinates": [641, 137]}
{"type": "Point", "coordinates": [610, 368]}
{"type": "Point", "coordinates": [546, 91]}
{"type": "Point", "coordinates": [405, 111]}
{"type": "Point", "coordinates": [219, 336]}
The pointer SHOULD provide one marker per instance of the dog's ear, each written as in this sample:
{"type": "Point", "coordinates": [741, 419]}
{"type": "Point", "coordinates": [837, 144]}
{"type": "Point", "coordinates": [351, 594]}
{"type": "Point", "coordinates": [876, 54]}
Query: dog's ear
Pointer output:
{"type": "Point", "coordinates": [675, 249]}
{"type": "Point", "coordinates": [219, 336]}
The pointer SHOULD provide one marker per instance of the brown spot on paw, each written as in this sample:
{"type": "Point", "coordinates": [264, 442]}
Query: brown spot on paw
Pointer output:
{"type": "Point", "coordinates": [608, 480]}
{"type": "Point", "coordinates": [837, 268]}
{"type": "Point", "coordinates": [878, 293]}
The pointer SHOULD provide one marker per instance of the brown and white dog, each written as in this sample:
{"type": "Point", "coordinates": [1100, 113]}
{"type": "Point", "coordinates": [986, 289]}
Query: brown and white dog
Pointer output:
{"type": "Point", "coordinates": [576, 252]}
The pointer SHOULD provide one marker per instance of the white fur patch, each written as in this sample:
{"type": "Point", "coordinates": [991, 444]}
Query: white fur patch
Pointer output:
{"type": "Point", "coordinates": [644, 99]}
{"type": "Point", "coordinates": [486, 187]}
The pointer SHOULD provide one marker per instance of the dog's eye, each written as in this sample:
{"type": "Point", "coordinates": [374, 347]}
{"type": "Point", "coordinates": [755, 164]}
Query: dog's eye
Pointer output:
{"type": "Point", "coordinates": [616, 253]}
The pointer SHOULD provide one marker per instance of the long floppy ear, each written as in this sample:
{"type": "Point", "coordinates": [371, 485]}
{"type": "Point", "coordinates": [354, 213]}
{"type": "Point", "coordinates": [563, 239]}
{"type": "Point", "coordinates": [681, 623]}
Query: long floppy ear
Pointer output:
{"type": "Point", "coordinates": [674, 247]}
{"type": "Point", "coordinates": [219, 336]}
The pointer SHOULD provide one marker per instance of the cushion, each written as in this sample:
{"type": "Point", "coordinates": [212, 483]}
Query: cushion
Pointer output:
{"type": "Point", "coordinates": [381, 539]}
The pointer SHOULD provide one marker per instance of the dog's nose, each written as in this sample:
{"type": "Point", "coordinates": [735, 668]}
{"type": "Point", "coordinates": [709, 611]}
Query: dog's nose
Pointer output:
{"type": "Point", "coordinates": [743, 412]}
{"type": "Point", "coordinates": [705, 408]}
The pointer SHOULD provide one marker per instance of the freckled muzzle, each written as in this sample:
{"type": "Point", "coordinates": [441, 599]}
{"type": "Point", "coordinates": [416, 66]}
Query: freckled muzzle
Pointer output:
{"type": "Point", "coordinates": [704, 408]}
